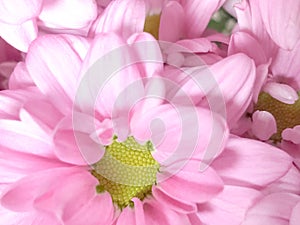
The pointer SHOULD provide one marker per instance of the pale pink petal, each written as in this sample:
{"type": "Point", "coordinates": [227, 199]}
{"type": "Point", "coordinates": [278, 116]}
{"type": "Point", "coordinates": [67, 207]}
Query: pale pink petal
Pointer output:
{"type": "Point", "coordinates": [20, 78]}
{"type": "Point", "coordinates": [139, 211]}
{"type": "Point", "coordinates": [29, 139]}
{"type": "Point", "coordinates": [241, 163]}
{"type": "Point", "coordinates": [157, 214]}
{"type": "Point", "coordinates": [21, 195]}
{"type": "Point", "coordinates": [191, 185]}
{"type": "Point", "coordinates": [148, 53]}
{"type": "Point", "coordinates": [73, 143]}
{"type": "Point", "coordinates": [292, 134]}
{"type": "Point", "coordinates": [34, 218]}
{"type": "Point", "coordinates": [98, 211]}
{"type": "Point", "coordinates": [230, 206]}
{"type": "Point", "coordinates": [282, 92]}
{"type": "Point", "coordinates": [126, 217]}
{"type": "Point", "coordinates": [118, 86]}
{"type": "Point", "coordinates": [263, 125]}
{"type": "Point", "coordinates": [21, 35]}
{"type": "Point", "coordinates": [171, 22]}
{"type": "Point", "coordinates": [124, 17]}
{"type": "Point", "coordinates": [72, 14]}
{"type": "Point", "coordinates": [15, 165]}
{"type": "Point", "coordinates": [177, 205]}
{"type": "Point", "coordinates": [261, 77]}
{"type": "Point", "coordinates": [17, 12]}
{"type": "Point", "coordinates": [293, 150]}
{"type": "Point", "coordinates": [282, 21]}
{"type": "Point", "coordinates": [246, 43]}
{"type": "Point", "coordinates": [290, 183]}
{"type": "Point", "coordinates": [275, 207]}
{"type": "Point", "coordinates": [250, 20]}
{"type": "Point", "coordinates": [198, 14]}
{"type": "Point", "coordinates": [229, 6]}
{"type": "Point", "coordinates": [54, 67]}
{"type": "Point", "coordinates": [284, 66]}
{"type": "Point", "coordinates": [295, 216]}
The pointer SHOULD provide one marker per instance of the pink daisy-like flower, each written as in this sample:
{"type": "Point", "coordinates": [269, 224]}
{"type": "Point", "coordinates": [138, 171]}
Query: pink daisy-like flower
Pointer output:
{"type": "Point", "coordinates": [63, 169]}
{"type": "Point", "coordinates": [275, 107]}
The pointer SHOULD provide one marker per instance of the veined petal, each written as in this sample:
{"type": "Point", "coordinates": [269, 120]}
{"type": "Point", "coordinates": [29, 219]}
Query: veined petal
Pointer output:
{"type": "Point", "coordinates": [241, 163]}
{"type": "Point", "coordinates": [263, 125]}
{"type": "Point", "coordinates": [282, 21]}
{"type": "Point", "coordinates": [17, 12]}
{"type": "Point", "coordinates": [54, 66]}
{"type": "Point", "coordinates": [20, 35]}
{"type": "Point", "coordinates": [70, 14]}
{"type": "Point", "coordinates": [124, 17]}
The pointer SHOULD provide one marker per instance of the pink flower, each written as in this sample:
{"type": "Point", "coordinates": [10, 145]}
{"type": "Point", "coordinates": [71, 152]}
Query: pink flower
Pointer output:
{"type": "Point", "coordinates": [277, 84]}
{"type": "Point", "coordinates": [20, 22]}
{"type": "Point", "coordinates": [60, 132]}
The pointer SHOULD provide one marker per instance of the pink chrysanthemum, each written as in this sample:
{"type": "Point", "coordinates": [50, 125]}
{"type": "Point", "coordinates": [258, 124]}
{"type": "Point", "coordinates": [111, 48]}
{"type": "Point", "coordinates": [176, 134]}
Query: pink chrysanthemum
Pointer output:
{"type": "Point", "coordinates": [70, 160]}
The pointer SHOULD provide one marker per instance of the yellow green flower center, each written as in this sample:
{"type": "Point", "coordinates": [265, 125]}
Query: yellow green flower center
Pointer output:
{"type": "Point", "coordinates": [126, 170]}
{"type": "Point", "coordinates": [286, 115]}
{"type": "Point", "coordinates": [152, 25]}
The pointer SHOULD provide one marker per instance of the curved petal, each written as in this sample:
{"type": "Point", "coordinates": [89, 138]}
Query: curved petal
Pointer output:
{"type": "Point", "coordinates": [282, 92]}
{"type": "Point", "coordinates": [17, 12]}
{"type": "Point", "coordinates": [20, 78]}
{"type": "Point", "coordinates": [263, 125]}
{"type": "Point", "coordinates": [295, 216]}
{"type": "Point", "coordinates": [54, 66]}
{"type": "Point", "coordinates": [292, 134]}
{"type": "Point", "coordinates": [21, 35]}
{"type": "Point", "coordinates": [124, 17]}
{"type": "Point", "coordinates": [240, 163]}
{"type": "Point", "coordinates": [229, 207]}
{"type": "Point", "coordinates": [172, 15]}
{"type": "Point", "coordinates": [282, 21]}
{"type": "Point", "coordinates": [69, 14]}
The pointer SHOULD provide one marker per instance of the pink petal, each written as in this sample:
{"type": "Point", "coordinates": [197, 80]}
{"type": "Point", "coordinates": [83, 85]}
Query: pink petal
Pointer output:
{"type": "Point", "coordinates": [157, 214]}
{"type": "Point", "coordinates": [21, 35]}
{"type": "Point", "coordinates": [177, 205]}
{"type": "Point", "coordinates": [20, 78]}
{"type": "Point", "coordinates": [15, 165]}
{"type": "Point", "coordinates": [139, 211]}
{"type": "Point", "coordinates": [229, 6]}
{"type": "Point", "coordinates": [172, 15]}
{"type": "Point", "coordinates": [197, 15]}
{"type": "Point", "coordinates": [191, 185]}
{"type": "Point", "coordinates": [295, 216]}
{"type": "Point", "coordinates": [246, 43]}
{"type": "Point", "coordinates": [288, 183]}
{"type": "Point", "coordinates": [281, 92]}
{"type": "Point", "coordinates": [124, 17]}
{"type": "Point", "coordinates": [261, 77]}
{"type": "Point", "coordinates": [293, 150]}
{"type": "Point", "coordinates": [126, 217]}
{"type": "Point", "coordinates": [73, 143]}
{"type": "Point", "coordinates": [292, 134]}
{"type": "Point", "coordinates": [263, 125]}
{"type": "Point", "coordinates": [229, 207]}
{"type": "Point", "coordinates": [275, 206]}
{"type": "Point", "coordinates": [17, 12]}
{"type": "Point", "coordinates": [282, 21]}
{"type": "Point", "coordinates": [284, 66]}
{"type": "Point", "coordinates": [29, 139]}
{"type": "Point", "coordinates": [71, 14]}
{"type": "Point", "coordinates": [22, 194]}
{"type": "Point", "coordinates": [98, 211]}
{"type": "Point", "coordinates": [54, 67]}
{"type": "Point", "coordinates": [238, 164]}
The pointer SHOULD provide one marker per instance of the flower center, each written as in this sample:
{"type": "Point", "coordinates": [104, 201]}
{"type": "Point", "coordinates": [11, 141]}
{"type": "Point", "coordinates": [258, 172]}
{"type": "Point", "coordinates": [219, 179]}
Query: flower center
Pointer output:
{"type": "Point", "coordinates": [152, 25]}
{"type": "Point", "coordinates": [286, 115]}
{"type": "Point", "coordinates": [126, 170]}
